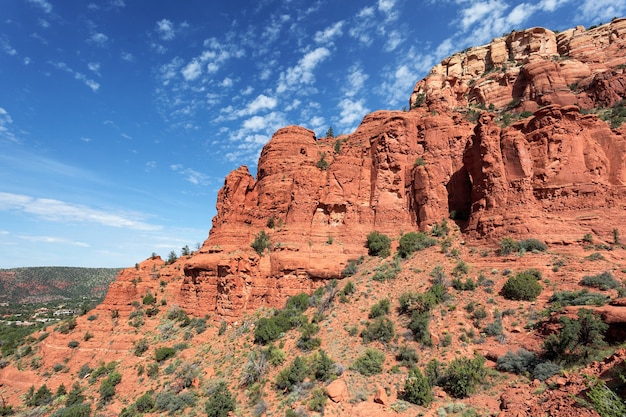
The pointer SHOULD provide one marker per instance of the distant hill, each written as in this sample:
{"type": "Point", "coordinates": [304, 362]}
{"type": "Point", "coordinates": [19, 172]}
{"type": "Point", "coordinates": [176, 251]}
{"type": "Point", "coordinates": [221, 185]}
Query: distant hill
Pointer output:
{"type": "Point", "coordinates": [46, 283]}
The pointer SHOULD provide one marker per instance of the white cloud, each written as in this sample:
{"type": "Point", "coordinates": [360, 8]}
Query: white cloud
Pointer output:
{"type": "Point", "coordinates": [302, 73]}
{"type": "Point", "coordinates": [227, 82]}
{"type": "Point", "coordinates": [6, 47]}
{"type": "Point", "coordinates": [94, 67]}
{"type": "Point", "coordinates": [53, 240]}
{"type": "Point", "coordinates": [165, 29]}
{"type": "Point", "coordinates": [192, 70]}
{"type": "Point", "coordinates": [351, 112]}
{"type": "Point", "coordinates": [393, 41]}
{"type": "Point", "coordinates": [100, 39]}
{"type": "Point", "coordinates": [191, 175]}
{"type": "Point", "coordinates": [127, 56]}
{"type": "Point", "coordinates": [388, 8]}
{"type": "Point", "coordinates": [262, 102]}
{"type": "Point", "coordinates": [601, 11]}
{"type": "Point", "coordinates": [6, 134]}
{"type": "Point", "coordinates": [44, 5]}
{"type": "Point", "coordinates": [60, 211]}
{"type": "Point", "coordinates": [328, 34]}
{"type": "Point", "coordinates": [355, 80]}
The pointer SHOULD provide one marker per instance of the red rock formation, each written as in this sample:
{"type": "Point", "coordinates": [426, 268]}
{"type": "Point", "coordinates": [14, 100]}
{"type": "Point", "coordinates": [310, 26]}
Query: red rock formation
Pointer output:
{"type": "Point", "coordinates": [546, 175]}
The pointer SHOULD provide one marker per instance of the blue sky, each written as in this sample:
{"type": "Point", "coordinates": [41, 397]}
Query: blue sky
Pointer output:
{"type": "Point", "coordinates": [119, 119]}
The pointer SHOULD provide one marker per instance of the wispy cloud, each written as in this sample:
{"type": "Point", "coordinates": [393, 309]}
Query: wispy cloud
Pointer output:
{"type": "Point", "coordinates": [44, 5]}
{"type": "Point", "coordinates": [327, 35]}
{"type": "Point", "coordinates": [53, 240]}
{"type": "Point", "coordinates": [601, 11]}
{"type": "Point", "coordinates": [6, 133]}
{"type": "Point", "coordinates": [191, 175]}
{"type": "Point", "coordinates": [77, 75]}
{"type": "Point", "coordinates": [127, 56]}
{"type": "Point", "coordinates": [60, 211]}
{"type": "Point", "coordinates": [5, 46]}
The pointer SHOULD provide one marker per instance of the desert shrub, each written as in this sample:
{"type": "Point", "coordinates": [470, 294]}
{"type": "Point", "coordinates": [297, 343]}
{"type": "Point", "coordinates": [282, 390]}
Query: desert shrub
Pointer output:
{"type": "Point", "coordinates": [577, 337]}
{"type": "Point", "coordinates": [298, 302]}
{"type": "Point", "coordinates": [463, 375]}
{"type": "Point", "coordinates": [460, 269]}
{"type": "Point", "coordinates": [378, 244]}
{"type": "Point", "coordinates": [42, 396]}
{"type": "Point", "coordinates": [289, 377]}
{"type": "Point", "coordinates": [140, 347]}
{"type": "Point", "coordinates": [267, 330]}
{"type": "Point", "coordinates": [254, 369]}
{"type": "Point", "coordinates": [530, 245]}
{"type": "Point", "coordinates": [370, 362]}
{"type": "Point", "coordinates": [440, 230]}
{"type": "Point", "coordinates": [419, 326]}
{"type": "Point", "coordinates": [169, 401]}
{"type": "Point", "coordinates": [352, 267]}
{"type": "Point", "coordinates": [318, 399]}
{"type": "Point", "coordinates": [220, 401]}
{"type": "Point", "coordinates": [381, 308]}
{"type": "Point", "coordinates": [164, 353]}
{"type": "Point", "coordinates": [67, 326]}
{"type": "Point", "coordinates": [507, 246]}
{"type": "Point", "coordinates": [414, 241]}
{"type": "Point", "coordinates": [306, 341]}
{"type": "Point", "coordinates": [387, 271]}
{"type": "Point", "coordinates": [347, 291]}
{"type": "Point", "coordinates": [107, 386]}
{"type": "Point", "coordinates": [274, 355]}
{"type": "Point", "coordinates": [322, 366]}
{"type": "Point", "coordinates": [415, 302]}
{"type": "Point", "coordinates": [494, 328]}
{"type": "Point", "coordinates": [578, 298]}
{"type": "Point", "coordinates": [73, 344]}
{"type": "Point", "coordinates": [602, 399]}
{"type": "Point", "coordinates": [407, 356]}
{"type": "Point", "coordinates": [417, 390]}
{"type": "Point", "coordinates": [603, 281]}
{"type": "Point", "coordinates": [149, 299]}
{"type": "Point", "coordinates": [464, 285]}
{"type": "Point", "coordinates": [78, 410]}
{"type": "Point", "coordinates": [261, 242]}
{"type": "Point", "coordinates": [518, 362]}
{"type": "Point", "coordinates": [545, 370]}
{"type": "Point", "coordinates": [523, 286]}
{"type": "Point", "coordinates": [381, 329]}
{"type": "Point", "coordinates": [145, 403]}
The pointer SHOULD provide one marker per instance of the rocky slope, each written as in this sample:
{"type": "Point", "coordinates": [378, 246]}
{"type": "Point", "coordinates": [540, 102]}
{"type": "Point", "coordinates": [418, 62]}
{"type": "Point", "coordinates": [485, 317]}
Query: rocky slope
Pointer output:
{"type": "Point", "coordinates": [507, 139]}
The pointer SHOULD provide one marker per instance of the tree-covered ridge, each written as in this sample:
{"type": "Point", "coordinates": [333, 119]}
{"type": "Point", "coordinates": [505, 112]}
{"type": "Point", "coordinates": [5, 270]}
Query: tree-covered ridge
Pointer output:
{"type": "Point", "coordinates": [35, 284]}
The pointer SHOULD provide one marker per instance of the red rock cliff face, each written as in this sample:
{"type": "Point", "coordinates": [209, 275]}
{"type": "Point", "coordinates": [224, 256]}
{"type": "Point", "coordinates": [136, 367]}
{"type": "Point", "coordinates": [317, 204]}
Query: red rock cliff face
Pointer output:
{"type": "Point", "coordinates": [555, 175]}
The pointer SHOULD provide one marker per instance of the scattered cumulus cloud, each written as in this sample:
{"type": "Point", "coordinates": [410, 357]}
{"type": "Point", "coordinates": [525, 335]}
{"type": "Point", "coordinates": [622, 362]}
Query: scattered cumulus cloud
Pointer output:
{"type": "Point", "coordinates": [61, 211]}
{"type": "Point", "coordinates": [44, 5]}
{"type": "Point", "coordinates": [127, 56]}
{"type": "Point", "coordinates": [5, 46]}
{"type": "Point", "coordinates": [191, 175]}
{"type": "Point", "coordinates": [165, 29]}
{"type": "Point", "coordinates": [303, 72]}
{"type": "Point", "coordinates": [6, 133]}
{"type": "Point", "coordinates": [327, 35]}
{"type": "Point", "coordinates": [99, 39]}
{"type": "Point", "coordinates": [94, 67]}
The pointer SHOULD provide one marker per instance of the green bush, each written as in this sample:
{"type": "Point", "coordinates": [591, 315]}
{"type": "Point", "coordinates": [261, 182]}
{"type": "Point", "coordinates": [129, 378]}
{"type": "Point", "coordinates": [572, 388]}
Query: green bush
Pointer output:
{"type": "Point", "coordinates": [414, 241]}
{"type": "Point", "coordinates": [370, 362]}
{"type": "Point", "coordinates": [602, 399]}
{"type": "Point", "coordinates": [381, 329]}
{"type": "Point", "coordinates": [164, 353]}
{"type": "Point", "coordinates": [141, 346]}
{"type": "Point", "coordinates": [75, 396]}
{"type": "Point", "coordinates": [530, 245]}
{"type": "Point", "coordinates": [149, 299]}
{"type": "Point", "coordinates": [169, 401]}
{"type": "Point", "coordinates": [417, 390]}
{"type": "Point", "coordinates": [145, 403]}
{"type": "Point", "coordinates": [73, 344]}
{"type": "Point", "coordinates": [266, 331]}
{"type": "Point", "coordinates": [578, 298]}
{"type": "Point", "coordinates": [603, 281]}
{"type": "Point", "coordinates": [306, 341]}
{"type": "Point", "coordinates": [261, 242]}
{"type": "Point", "coordinates": [220, 401]}
{"type": "Point", "coordinates": [378, 244]}
{"type": "Point", "coordinates": [419, 326]}
{"type": "Point", "coordinates": [507, 246]}
{"type": "Point", "coordinates": [463, 375]}
{"type": "Point", "coordinates": [298, 302]}
{"type": "Point", "coordinates": [387, 271]}
{"type": "Point", "coordinates": [578, 337]}
{"type": "Point", "coordinates": [107, 386]}
{"type": "Point", "coordinates": [322, 366]}
{"type": "Point", "coordinates": [78, 410]}
{"type": "Point", "coordinates": [523, 286]}
{"type": "Point", "coordinates": [289, 377]}
{"type": "Point", "coordinates": [379, 309]}
{"type": "Point", "coordinates": [407, 356]}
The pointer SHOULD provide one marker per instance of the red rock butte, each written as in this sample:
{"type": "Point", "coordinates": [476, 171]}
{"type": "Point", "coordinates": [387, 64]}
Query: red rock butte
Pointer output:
{"type": "Point", "coordinates": [556, 172]}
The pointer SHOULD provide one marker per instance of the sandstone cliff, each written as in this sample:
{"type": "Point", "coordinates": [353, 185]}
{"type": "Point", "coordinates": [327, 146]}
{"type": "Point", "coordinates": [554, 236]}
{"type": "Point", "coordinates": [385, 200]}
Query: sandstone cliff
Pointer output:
{"type": "Point", "coordinates": [556, 173]}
